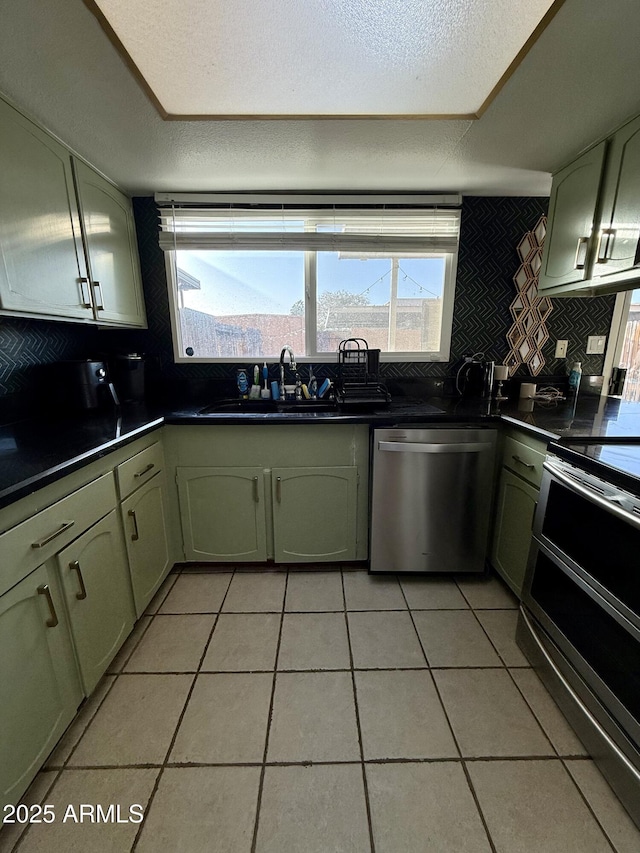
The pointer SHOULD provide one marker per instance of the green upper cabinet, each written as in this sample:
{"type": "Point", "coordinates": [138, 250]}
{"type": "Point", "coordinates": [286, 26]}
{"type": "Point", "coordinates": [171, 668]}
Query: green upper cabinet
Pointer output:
{"type": "Point", "coordinates": [67, 238]}
{"type": "Point", "coordinates": [38, 671]}
{"type": "Point", "coordinates": [572, 211]}
{"type": "Point", "coordinates": [223, 513]}
{"type": "Point", "coordinates": [42, 270]}
{"type": "Point", "coordinates": [593, 234]}
{"type": "Point", "coordinates": [112, 254]}
{"type": "Point", "coordinates": [97, 589]}
{"type": "Point", "coordinates": [314, 514]}
{"type": "Point", "coordinates": [618, 250]}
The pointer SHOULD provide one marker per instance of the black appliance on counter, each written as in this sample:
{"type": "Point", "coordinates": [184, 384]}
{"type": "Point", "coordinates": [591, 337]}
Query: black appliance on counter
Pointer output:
{"type": "Point", "coordinates": [127, 372]}
{"type": "Point", "coordinates": [475, 378]}
{"type": "Point", "coordinates": [82, 386]}
{"type": "Point", "coordinates": [579, 623]}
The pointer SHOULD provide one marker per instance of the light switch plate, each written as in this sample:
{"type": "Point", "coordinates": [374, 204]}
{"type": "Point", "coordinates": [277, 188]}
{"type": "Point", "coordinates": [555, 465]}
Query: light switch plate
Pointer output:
{"type": "Point", "coordinates": [561, 349]}
{"type": "Point", "coordinates": [596, 344]}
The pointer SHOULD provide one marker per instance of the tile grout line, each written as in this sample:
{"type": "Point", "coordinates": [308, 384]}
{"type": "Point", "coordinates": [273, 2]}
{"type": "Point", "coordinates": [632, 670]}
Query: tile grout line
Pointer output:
{"type": "Point", "coordinates": [365, 784]}
{"type": "Point", "coordinates": [453, 734]}
{"type": "Point", "coordinates": [179, 722]}
{"type": "Point", "coordinates": [588, 804]}
{"type": "Point", "coordinates": [263, 769]}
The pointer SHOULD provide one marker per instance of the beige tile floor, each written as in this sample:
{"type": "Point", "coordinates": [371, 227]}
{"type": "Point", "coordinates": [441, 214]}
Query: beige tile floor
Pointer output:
{"type": "Point", "coordinates": [310, 712]}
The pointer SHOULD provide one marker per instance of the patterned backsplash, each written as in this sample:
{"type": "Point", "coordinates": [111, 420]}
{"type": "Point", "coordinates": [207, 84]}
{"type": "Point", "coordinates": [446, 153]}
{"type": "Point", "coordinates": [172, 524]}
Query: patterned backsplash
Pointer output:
{"type": "Point", "coordinates": [491, 230]}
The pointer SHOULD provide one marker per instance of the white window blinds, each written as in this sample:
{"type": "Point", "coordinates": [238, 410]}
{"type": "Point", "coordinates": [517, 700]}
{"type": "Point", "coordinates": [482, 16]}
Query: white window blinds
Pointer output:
{"type": "Point", "coordinates": [380, 230]}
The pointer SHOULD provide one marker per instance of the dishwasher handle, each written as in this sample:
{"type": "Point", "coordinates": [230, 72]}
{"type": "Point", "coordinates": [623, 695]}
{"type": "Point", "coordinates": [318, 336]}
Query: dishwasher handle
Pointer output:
{"type": "Point", "coordinates": [416, 447]}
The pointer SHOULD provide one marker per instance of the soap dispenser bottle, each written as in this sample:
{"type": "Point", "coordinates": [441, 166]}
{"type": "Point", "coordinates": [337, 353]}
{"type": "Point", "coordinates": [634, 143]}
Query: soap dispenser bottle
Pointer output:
{"type": "Point", "coordinates": [574, 379]}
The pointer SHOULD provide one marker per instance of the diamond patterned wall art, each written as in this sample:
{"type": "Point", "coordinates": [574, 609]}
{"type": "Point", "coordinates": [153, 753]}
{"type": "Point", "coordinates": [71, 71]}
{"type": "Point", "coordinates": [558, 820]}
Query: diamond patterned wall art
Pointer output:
{"type": "Point", "coordinates": [529, 333]}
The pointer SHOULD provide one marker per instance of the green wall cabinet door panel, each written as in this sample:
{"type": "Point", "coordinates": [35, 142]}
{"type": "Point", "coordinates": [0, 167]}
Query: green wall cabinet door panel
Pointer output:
{"type": "Point", "coordinates": [146, 537]}
{"type": "Point", "coordinates": [314, 513]}
{"type": "Point", "coordinates": [516, 505]}
{"type": "Point", "coordinates": [97, 589]}
{"type": "Point", "coordinates": [38, 672]}
{"type": "Point", "coordinates": [618, 250]}
{"type": "Point", "coordinates": [41, 257]}
{"type": "Point", "coordinates": [223, 513]}
{"type": "Point", "coordinates": [570, 231]}
{"type": "Point", "coordinates": [110, 243]}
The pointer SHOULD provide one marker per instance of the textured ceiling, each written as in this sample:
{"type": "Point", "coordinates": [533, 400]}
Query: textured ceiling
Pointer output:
{"type": "Point", "coordinates": [326, 57]}
{"type": "Point", "coordinates": [577, 82]}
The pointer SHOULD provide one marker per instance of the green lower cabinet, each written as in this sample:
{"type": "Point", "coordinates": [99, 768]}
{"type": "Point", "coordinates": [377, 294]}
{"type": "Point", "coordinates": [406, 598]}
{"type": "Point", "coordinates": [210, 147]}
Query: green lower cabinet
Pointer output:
{"type": "Point", "coordinates": [97, 589]}
{"type": "Point", "coordinates": [38, 677]}
{"type": "Point", "coordinates": [145, 526]}
{"type": "Point", "coordinates": [512, 534]}
{"type": "Point", "coordinates": [223, 514]}
{"type": "Point", "coordinates": [314, 513]}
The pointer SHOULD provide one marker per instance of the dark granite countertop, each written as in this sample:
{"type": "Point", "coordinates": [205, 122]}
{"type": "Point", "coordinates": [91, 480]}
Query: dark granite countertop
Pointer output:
{"type": "Point", "coordinates": [37, 452]}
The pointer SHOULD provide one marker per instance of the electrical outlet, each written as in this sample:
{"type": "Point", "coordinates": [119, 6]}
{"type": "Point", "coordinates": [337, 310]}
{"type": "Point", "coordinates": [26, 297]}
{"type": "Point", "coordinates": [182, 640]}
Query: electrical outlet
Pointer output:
{"type": "Point", "coordinates": [596, 344]}
{"type": "Point", "coordinates": [561, 349]}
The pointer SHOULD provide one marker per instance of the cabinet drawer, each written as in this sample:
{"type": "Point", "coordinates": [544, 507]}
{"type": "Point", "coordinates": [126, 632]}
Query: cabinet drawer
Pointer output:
{"type": "Point", "coordinates": [30, 544]}
{"type": "Point", "coordinates": [523, 460]}
{"type": "Point", "coordinates": [140, 468]}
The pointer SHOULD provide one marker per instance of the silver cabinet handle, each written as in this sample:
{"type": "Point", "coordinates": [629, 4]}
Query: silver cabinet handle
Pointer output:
{"type": "Point", "coordinates": [145, 470]}
{"type": "Point", "coordinates": [86, 300]}
{"type": "Point", "coordinates": [256, 496]}
{"type": "Point", "coordinates": [135, 535]}
{"type": "Point", "coordinates": [64, 526]}
{"type": "Point", "coordinates": [605, 245]}
{"type": "Point", "coordinates": [522, 462]}
{"type": "Point", "coordinates": [279, 489]}
{"type": "Point", "coordinates": [75, 567]}
{"type": "Point", "coordinates": [97, 289]}
{"type": "Point", "coordinates": [415, 447]}
{"type": "Point", "coordinates": [52, 621]}
{"type": "Point", "coordinates": [581, 253]}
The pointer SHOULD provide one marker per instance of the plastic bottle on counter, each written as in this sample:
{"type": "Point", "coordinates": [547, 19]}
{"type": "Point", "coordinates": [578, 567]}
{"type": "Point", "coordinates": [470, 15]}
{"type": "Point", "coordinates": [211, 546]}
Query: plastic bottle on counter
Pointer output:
{"type": "Point", "coordinates": [574, 379]}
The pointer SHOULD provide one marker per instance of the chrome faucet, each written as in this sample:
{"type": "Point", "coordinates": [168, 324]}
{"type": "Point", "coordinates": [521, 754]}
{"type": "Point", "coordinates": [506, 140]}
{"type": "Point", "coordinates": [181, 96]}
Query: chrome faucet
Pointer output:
{"type": "Point", "coordinates": [292, 365]}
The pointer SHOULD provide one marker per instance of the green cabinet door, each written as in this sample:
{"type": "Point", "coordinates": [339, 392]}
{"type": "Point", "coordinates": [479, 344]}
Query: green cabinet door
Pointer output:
{"type": "Point", "coordinates": [144, 520]}
{"type": "Point", "coordinates": [618, 248]}
{"type": "Point", "coordinates": [38, 677]}
{"type": "Point", "coordinates": [97, 590]}
{"type": "Point", "coordinates": [314, 513]}
{"type": "Point", "coordinates": [223, 514]}
{"type": "Point", "coordinates": [41, 258]}
{"type": "Point", "coordinates": [512, 533]}
{"type": "Point", "coordinates": [110, 242]}
{"type": "Point", "coordinates": [572, 208]}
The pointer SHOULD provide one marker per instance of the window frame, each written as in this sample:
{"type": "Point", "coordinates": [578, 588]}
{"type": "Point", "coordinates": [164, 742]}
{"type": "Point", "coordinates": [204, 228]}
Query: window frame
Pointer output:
{"type": "Point", "coordinates": [310, 292]}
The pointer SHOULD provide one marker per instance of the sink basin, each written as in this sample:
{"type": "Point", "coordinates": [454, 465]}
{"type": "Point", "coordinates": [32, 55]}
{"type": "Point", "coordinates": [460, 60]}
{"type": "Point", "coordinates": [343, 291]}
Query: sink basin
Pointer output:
{"type": "Point", "coordinates": [265, 407]}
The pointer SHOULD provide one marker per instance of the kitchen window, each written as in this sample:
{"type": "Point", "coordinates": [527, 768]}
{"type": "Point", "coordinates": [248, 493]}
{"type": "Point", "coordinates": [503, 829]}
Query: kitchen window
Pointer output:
{"type": "Point", "coordinates": [244, 282]}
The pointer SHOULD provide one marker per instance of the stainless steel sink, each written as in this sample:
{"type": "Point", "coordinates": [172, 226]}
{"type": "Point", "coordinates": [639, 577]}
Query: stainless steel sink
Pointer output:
{"type": "Point", "coordinates": [265, 407]}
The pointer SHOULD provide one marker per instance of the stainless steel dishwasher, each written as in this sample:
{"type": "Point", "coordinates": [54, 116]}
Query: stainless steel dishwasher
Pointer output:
{"type": "Point", "coordinates": [431, 499]}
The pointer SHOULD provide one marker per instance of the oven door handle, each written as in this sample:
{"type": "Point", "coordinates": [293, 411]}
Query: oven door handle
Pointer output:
{"type": "Point", "coordinates": [603, 503]}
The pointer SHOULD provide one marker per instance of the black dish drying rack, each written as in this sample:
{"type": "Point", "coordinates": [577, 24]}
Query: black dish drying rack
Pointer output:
{"type": "Point", "coordinates": [359, 383]}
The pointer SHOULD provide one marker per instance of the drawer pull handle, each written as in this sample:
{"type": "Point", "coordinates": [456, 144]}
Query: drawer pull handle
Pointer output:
{"type": "Point", "coordinates": [63, 527]}
{"type": "Point", "coordinates": [86, 300]}
{"type": "Point", "coordinates": [145, 470]}
{"type": "Point", "coordinates": [581, 253]}
{"type": "Point", "coordinates": [135, 535]}
{"type": "Point", "coordinates": [75, 567]}
{"type": "Point", "coordinates": [97, 289]}
{"type": "Point", "coordinates": [522, 462]}
{"type": "Point", "coordinates": [279, 489]}
{"type": "Point", "coordinates": [256, 496]}
{"type": "Point", "coordinates": [52, 621]}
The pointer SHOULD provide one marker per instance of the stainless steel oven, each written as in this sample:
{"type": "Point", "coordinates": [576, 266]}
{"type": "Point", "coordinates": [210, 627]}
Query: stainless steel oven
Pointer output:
{"type": "Point", "coordinates": [580, 619]}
